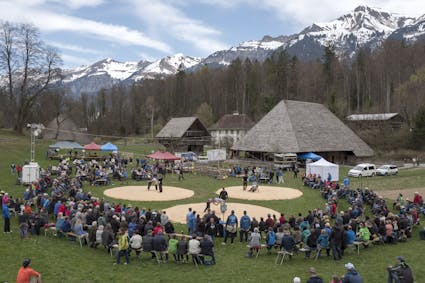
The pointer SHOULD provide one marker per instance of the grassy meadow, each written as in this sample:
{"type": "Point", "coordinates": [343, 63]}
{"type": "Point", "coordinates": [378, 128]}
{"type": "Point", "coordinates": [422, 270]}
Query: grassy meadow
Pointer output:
{"type": "Point", "coordinates": [59, 260]}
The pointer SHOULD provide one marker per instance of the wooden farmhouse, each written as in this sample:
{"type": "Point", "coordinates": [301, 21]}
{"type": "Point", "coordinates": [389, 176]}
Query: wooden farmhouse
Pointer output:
{"type": "Point", "coordinates": [184, 134]}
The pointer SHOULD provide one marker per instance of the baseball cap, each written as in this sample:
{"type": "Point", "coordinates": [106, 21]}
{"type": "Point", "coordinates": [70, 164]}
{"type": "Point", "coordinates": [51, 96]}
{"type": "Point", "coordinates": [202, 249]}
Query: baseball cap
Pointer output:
{"type": "Point", "coordinates": [349, 265]}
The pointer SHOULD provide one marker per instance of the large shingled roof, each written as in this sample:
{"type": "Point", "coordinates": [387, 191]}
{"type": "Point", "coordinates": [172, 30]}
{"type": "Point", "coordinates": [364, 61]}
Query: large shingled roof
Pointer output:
{"type": "Point", "coordinates": [296, 126]}
{"type": "Point", "coordinates": [233, 122]}
{"type": "Point", "coordinates": [177, 127]}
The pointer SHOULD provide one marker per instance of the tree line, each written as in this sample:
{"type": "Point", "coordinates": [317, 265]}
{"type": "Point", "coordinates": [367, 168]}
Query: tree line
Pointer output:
{"type": "Point", "coordinates": [389, 78]}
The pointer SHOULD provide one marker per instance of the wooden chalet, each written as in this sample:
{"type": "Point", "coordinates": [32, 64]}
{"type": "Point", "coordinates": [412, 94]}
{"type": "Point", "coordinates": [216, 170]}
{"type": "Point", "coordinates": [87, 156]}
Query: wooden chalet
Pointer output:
{"type": "Point", "coordinates": [184, 134]}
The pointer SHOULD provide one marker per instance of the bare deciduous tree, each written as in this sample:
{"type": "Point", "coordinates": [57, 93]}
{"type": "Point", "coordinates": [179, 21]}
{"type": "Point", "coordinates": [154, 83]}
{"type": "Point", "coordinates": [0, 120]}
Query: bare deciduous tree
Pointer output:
{"type": "Point", "coordinates": [30, 67]}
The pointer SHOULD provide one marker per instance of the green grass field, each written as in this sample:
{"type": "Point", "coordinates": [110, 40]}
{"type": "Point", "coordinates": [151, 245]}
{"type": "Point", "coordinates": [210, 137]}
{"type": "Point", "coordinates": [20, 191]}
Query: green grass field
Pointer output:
{"type": "Point", "coordinates": [60, 260]}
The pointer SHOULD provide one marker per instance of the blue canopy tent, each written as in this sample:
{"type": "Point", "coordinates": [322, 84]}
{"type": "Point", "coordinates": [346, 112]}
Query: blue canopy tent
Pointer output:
{"type": "Point", "coordinates": [309, 155]}
{"type": "Point", "coordinates": [109, 147]}
{"type": "Point", "coordinates": [66, 145]}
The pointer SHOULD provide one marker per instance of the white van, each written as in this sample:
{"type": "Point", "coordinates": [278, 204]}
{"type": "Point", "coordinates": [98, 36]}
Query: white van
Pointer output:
{"type": "Point", "coordinates": [363, 170]}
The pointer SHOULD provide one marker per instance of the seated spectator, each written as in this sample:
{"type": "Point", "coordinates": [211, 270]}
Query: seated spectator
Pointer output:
{"type": "Point", "coordinates": [160, 244]}
{"type": "Point", "coordinates": [254, 241]}
{"type": "Point", "coordinates": [182, 249]}
{"type": "Point", "coordinates": [136, 242]}
{"type": "Point", "coordinates": [194, 249]}
{"type": "Point", "coordinates": [288, 243]}
{"type": "Point", "coordinates": [401, 272]}
{"type": "Point", "coordinates": [270, 239]}
{"type": "Point", "coordinates": [207, 249]}
{"type": "Point", "coordinates": [99, 233]}
{"type": "Point", "coordinates": [172, 246]}
{"type": "Point", "coordinates": [148, 243]}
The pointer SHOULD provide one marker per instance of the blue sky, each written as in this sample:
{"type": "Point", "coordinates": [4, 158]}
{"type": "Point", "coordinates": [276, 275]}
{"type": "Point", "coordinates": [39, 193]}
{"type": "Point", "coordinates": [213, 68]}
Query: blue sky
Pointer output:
{"type": "Point", "coordinates": [85, 31]}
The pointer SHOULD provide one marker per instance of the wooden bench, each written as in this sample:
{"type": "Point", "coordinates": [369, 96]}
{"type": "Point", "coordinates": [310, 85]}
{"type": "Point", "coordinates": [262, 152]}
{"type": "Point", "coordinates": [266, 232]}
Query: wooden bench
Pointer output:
{"type": "Point", "coordinates": [281, 255]}
{"type": "Point", "coordinates": [357, 244]}
{"type": "Point", "coordinates": [159, 256]}
{"type": "Point", "coordinates": [257, 249]}
{"type": "Point", "coordinates": [80, 238]}
{"type": "Point", "coordinates": [49, 231]}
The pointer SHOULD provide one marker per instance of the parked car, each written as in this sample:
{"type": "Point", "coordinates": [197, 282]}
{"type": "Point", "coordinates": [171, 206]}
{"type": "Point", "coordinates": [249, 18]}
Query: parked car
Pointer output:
{"type": "Point", "coordinates": [363, 170]}
{"type": "Point", "coordinates": [387, 169]}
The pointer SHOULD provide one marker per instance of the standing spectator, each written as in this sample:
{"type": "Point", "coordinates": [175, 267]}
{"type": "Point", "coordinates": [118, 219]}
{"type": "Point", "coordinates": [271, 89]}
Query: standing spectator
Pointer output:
{"type": "Point", "coordinates": [26, 273]}
{"type": "Point", "coordinates": [231, 227]}
{"type": "Point", "coordinates": [12, 168]}
{"type": "Point", "coordinates": [6, 216]}
{"type": "Point", "coordinates": [336, 239]}
{"type": "Point", "coordinates": [245, 225]}
{"type": "Point", "coordinates": [122, 246]}
{"type": "Point", "coordinates": [181, 177]}
{"type": "Point", "coordinates": [279, 176]}
{"type": "Point", "coordinates": [352, 276]}
{"type": "Point", "coordinates": [314, 278]}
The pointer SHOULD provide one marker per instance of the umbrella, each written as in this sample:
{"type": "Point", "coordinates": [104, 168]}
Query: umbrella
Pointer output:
{"type": "Point", "coordinates": [309, 155]}
{"type": "Point", "coordinates": [109, 147]}
{"type": "Point", "coordinates": [92, 146]}
{"type": "Point", "coordinates": [163, 156]}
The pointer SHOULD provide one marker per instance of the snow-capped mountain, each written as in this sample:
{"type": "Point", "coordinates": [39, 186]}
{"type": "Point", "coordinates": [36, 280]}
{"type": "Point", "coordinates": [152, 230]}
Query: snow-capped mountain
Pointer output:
{"type": "Point", "coordinates": [253, 50]}
{"type": "Point", "coordinates": [108, 72]}
{"type": "Point", "coordinates": [410, 33]}
{"type": "Point", "coordinates": [364, 27]}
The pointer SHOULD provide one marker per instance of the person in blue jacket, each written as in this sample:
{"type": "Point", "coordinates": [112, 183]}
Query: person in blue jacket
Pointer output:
{"type": "Point", "coordinates": [270, 239]}
{"type": "Point", "coordinates": [6, 216]}
{"type": "Point", "coordinates": [352, 276]}
{"type": "Point", "coordinates": [323, 242]}
{"type": "Point", "coordinates": [245, 225]}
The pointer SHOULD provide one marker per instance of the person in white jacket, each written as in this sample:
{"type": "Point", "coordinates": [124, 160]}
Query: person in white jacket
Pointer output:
{"type": "Point", "coordinates": [136, 242]}
{"type": "Point", "coordinates": [194, 249]}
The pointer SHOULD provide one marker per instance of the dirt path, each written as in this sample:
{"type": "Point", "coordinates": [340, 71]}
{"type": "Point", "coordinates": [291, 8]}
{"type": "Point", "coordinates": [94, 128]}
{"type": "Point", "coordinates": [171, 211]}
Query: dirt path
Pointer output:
{"type": "Point", "coordinates": [140, 193]}
{"type": "Point", "coordinates": [178, 213]}
{"type": "Point", "coordinates": [263, 193]}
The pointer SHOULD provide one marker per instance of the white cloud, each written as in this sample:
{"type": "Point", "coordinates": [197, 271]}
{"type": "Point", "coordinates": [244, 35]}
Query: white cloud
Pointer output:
{"type": "Point", "coordinates": [50, 21]}
{"type": "Point", "coordinates": [164, 18]}
{"type": "Point", "coordinates": [74, 48]}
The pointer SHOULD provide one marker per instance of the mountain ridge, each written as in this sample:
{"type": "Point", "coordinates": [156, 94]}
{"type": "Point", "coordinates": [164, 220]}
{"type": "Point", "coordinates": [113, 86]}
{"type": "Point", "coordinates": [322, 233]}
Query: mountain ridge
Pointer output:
{"type": "Point", "coordinates": [364, 27]}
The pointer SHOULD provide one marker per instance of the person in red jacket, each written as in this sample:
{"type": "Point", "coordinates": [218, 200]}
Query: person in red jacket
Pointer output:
{"type": "Point", "coordinates": [26, 273]}
{"type": "Point", "coordinates": [417, 199]}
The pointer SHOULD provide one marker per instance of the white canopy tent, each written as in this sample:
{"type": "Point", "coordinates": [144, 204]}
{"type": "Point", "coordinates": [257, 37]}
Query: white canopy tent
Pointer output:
{"type": "Point", "coordinates": [322, 167]}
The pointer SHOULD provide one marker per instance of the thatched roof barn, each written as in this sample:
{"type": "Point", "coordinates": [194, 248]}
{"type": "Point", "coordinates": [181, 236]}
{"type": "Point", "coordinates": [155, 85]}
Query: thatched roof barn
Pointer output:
{"type": "Point", "coordinates": [64, 129]}
{"type": "Point", "coordinates": [184, 134]}
{"type": "Point", "coordinates": [295, 126]}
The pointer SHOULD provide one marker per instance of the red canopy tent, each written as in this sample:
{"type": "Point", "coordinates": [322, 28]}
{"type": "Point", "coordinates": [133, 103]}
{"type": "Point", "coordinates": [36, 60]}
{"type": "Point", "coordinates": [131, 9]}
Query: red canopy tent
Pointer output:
{"type": "Point", "coordinates": [92, 146]}
{"type": "Point", "coordinates": [163, 156]}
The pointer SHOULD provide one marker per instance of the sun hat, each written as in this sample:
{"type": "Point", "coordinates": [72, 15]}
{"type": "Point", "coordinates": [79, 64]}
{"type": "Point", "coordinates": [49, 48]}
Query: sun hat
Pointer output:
{"type": "Point", "coordinates": [349, 266]}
